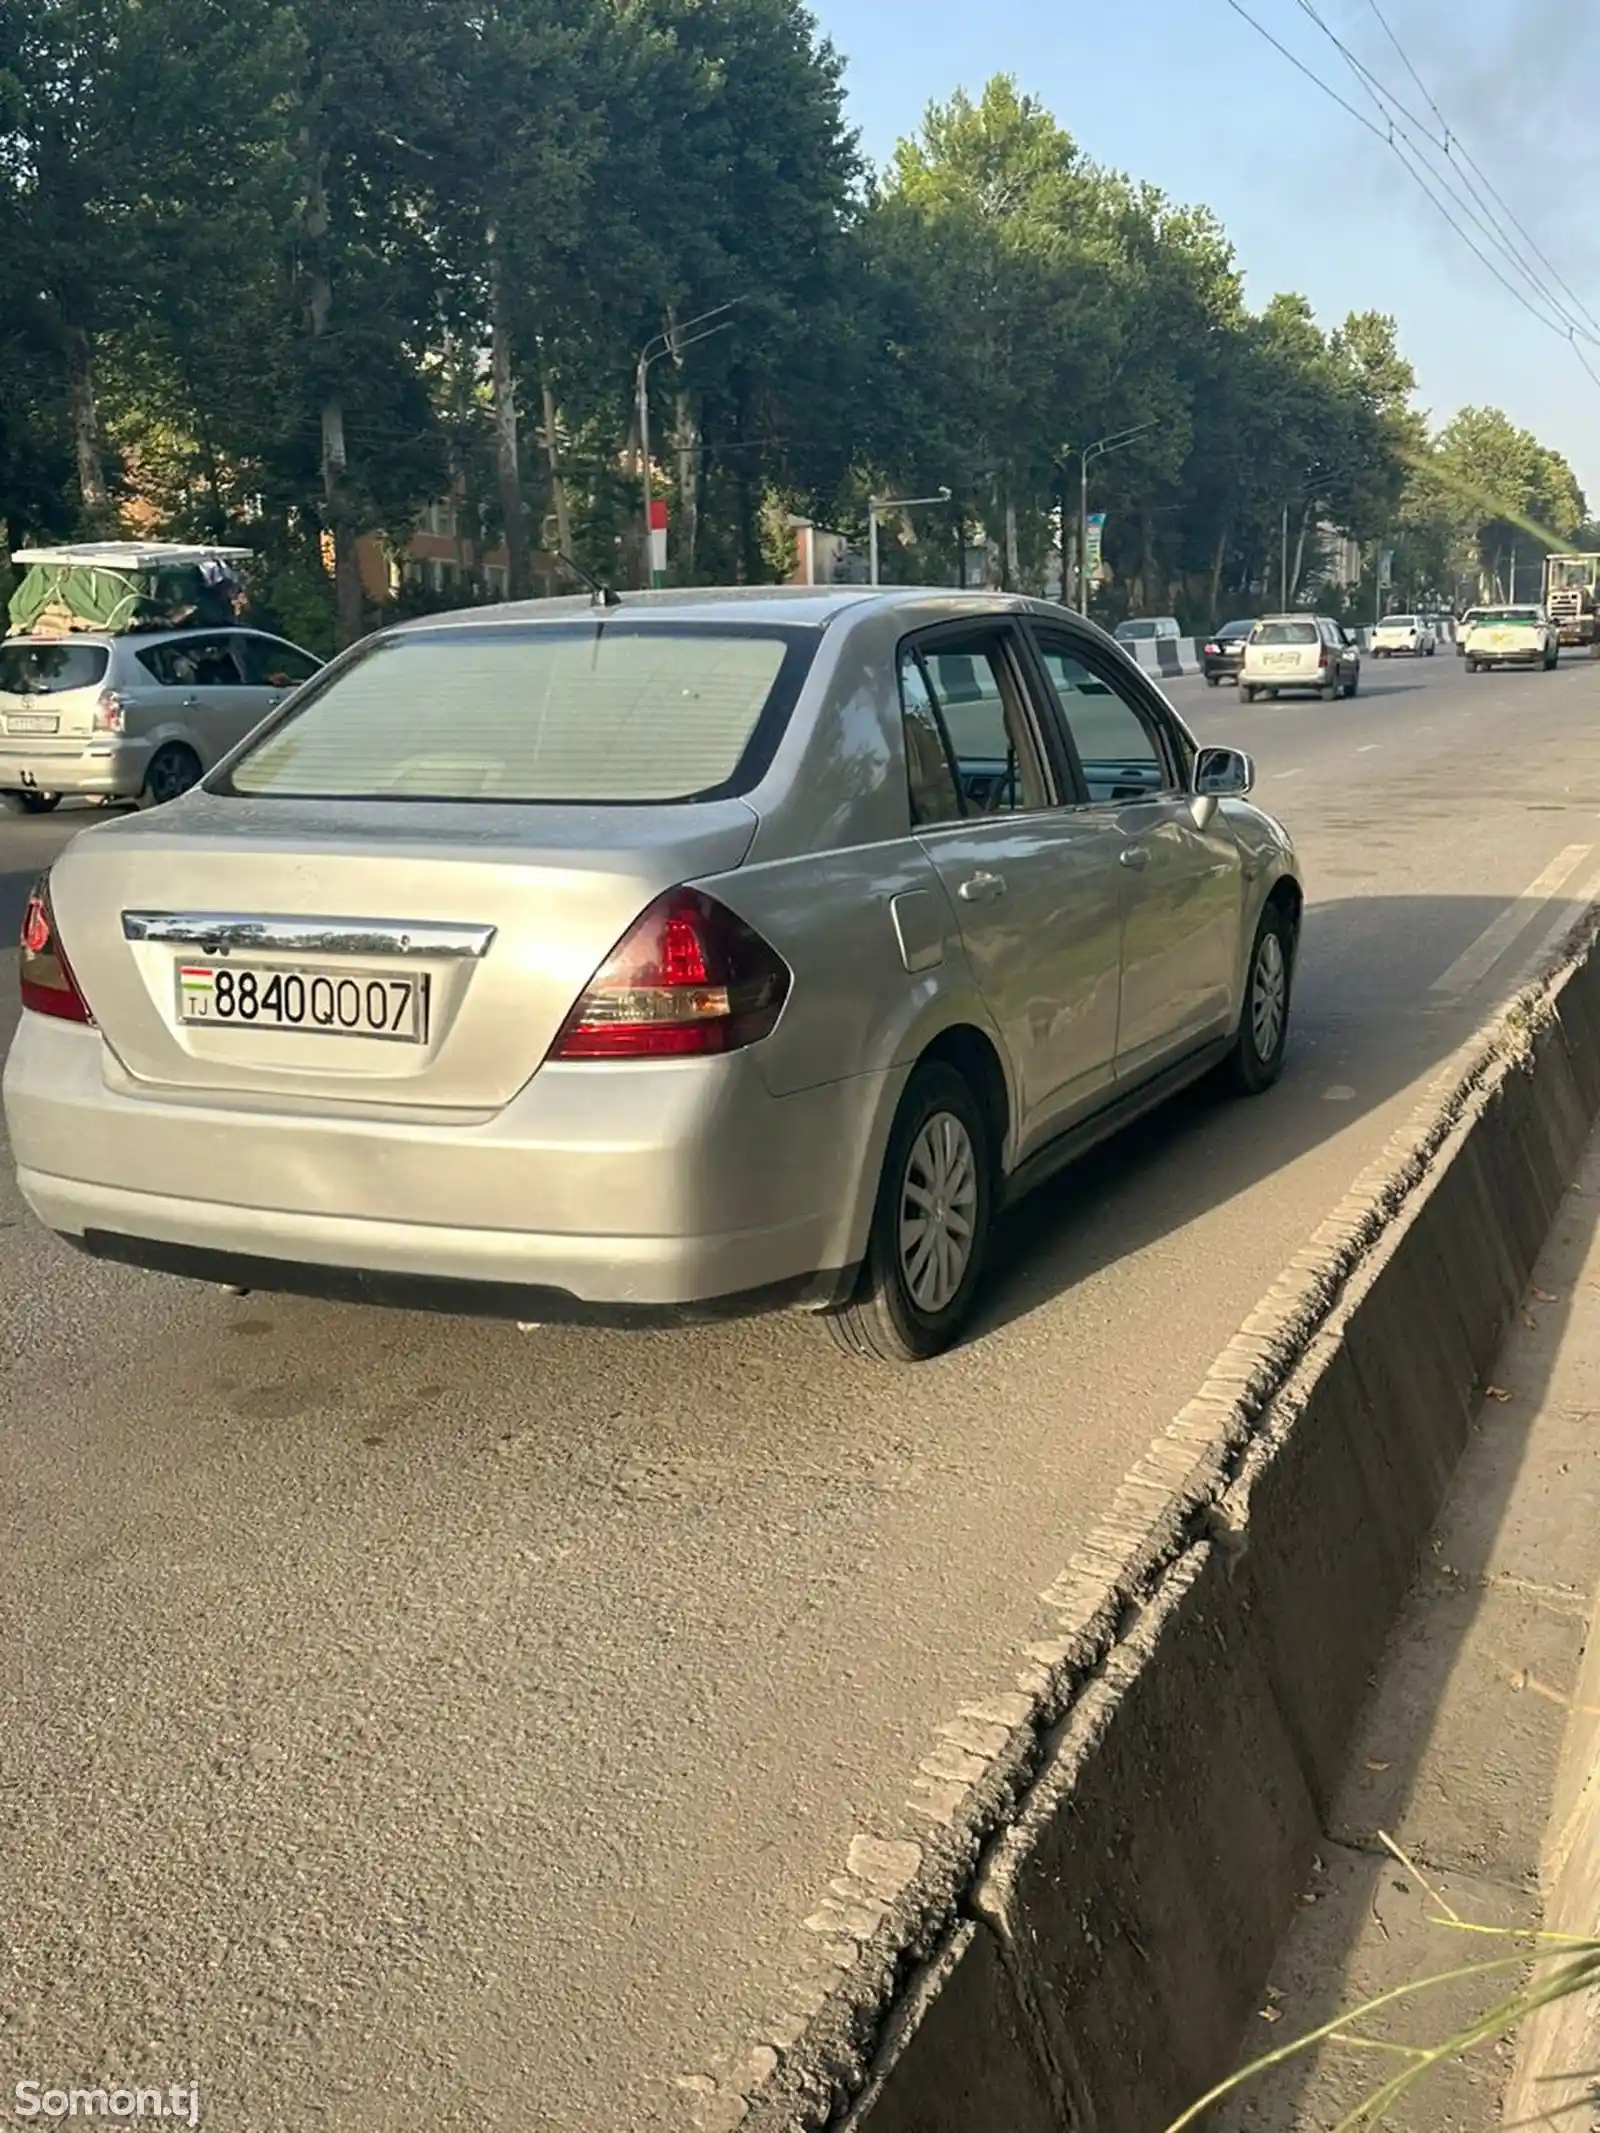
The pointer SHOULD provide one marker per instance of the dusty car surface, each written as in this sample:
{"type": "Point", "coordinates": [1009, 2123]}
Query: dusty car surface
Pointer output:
{"type": "Point", "coordinates": [692, 955]}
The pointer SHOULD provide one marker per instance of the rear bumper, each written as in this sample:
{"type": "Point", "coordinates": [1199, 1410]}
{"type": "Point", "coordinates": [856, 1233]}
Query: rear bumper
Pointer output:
{"type": "Point", "coordinates": [616, 1192]}
{"type": "Point", "coordinates": [109, 767]}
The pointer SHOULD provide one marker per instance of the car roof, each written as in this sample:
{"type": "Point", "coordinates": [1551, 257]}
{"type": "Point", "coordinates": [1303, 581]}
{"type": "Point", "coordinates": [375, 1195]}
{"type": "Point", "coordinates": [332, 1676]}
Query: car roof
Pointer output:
{"type": "Point", "coordinates": [802, 606]}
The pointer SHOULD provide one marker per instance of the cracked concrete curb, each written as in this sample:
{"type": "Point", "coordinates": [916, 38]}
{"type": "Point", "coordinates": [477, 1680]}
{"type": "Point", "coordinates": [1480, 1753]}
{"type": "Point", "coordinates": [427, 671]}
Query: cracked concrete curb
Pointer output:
{"type": "Point", "coordinates": [1073, 1920]}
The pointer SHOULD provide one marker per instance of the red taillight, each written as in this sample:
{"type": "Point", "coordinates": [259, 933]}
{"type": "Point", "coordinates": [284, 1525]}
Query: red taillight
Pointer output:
{"type": "Point", "coordinates": [48, 986]}
{"type": "Point", "coordinates": [688, 979]}
{"type": "Point", "coordinates": [108, 712]}
{"type": "Point", "coordinates": [1213, 651]}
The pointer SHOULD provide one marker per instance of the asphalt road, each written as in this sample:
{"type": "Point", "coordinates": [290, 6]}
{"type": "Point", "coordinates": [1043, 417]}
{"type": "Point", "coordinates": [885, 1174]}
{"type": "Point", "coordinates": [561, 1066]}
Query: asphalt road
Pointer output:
{"type": "Point", "coordinates": [414, 1722]}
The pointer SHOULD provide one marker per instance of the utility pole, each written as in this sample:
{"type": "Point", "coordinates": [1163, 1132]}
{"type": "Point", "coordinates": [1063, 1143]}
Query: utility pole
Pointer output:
{"type": "Point", "coordinates": [1283, 574]}
{"type": "Point", "coordinates": [1511, 578]}
{"type": "Point", "coordinates": [1098, 450]}
{"type": "Point", "coordinates": [877, 506]}
{"type": "Point", "coordinates": [671, 343]}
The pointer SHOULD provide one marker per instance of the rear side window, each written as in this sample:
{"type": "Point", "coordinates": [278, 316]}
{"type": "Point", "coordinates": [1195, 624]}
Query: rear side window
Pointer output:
{"type": "Point", "coordinates": [605, 712]}
{"type": "Point", "coordinates": [1284, 633]}
{"type": "Point", "coordinates": [981, 712]}
{"type": "Point", "coordinates": [930, 775]}
{"type": "Point", "coordinates": [193, 663]}
{"type": "Point", "coordinates": [50, 669]}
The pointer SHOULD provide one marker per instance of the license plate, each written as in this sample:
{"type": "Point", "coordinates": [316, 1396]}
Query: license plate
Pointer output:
{"type": "Point", "coordinates": [1279, 660]}
{"type": "Point", "coordinates": [31, 722]}
{"type": "Point", "coordinates": [338, 1003]}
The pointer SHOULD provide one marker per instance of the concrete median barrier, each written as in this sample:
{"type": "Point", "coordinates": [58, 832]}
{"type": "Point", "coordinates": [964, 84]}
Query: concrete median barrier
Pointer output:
{"type": "Point", "coordinates": [1169, 657]}
{"type": "Point", "coordinates": [1107, 1853]}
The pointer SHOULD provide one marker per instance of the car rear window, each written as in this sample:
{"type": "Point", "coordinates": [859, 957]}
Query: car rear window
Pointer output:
{"type": "Point", "coordinates": [1398, 622]}
{"type": "Point", "coordinates": [1135, 632]}
{"type": "Point", "coordinates": [1504, 617]}
{"type": "Point", "coordinates": [605, 712]}
{"type": "Point", "coordinates": [1285, 633]}
{"type": "Point", "coordinates": [28, 669]}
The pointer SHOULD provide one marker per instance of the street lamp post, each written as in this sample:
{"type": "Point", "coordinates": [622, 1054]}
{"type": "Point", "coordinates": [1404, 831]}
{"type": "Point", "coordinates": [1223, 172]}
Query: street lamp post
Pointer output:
{"type": "Point", "coordinates": [1113, 443]}
{"type": "Point", "coordinates": [877, 507]}
{"type": "Point", "coordinates": [671, 343]}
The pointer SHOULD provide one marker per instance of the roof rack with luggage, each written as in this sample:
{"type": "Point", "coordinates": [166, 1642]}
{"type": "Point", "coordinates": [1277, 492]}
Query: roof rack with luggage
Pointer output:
{"type": "Point", "coordinates": [120, 586]}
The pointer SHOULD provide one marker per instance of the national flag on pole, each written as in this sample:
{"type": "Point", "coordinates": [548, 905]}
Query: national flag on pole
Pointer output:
{"type": "Point", "coordinates": [658, 537]}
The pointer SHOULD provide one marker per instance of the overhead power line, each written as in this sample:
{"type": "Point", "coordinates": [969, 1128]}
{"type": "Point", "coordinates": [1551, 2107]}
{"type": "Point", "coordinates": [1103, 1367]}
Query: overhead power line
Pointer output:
{"type": "Point", "coordinates": [1459, 187]}
{"type": "Point", "coordinates": [1409, 139]}
{"type": "Point", "coordinates": [1454, 144]}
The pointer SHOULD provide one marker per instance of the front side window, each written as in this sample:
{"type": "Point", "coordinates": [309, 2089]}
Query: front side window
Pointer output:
{"type": "Point", "coordinates": [1121, 754]}
{"type": "Point", "coordinates": [605, 712]}
{"type": "Point", "coordinates": [271, 664]}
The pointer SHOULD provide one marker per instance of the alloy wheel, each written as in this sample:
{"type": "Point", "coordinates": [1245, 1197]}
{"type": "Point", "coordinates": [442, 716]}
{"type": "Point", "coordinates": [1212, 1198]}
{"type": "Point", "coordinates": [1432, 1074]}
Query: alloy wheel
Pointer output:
{"type": "Point", "coordinates": [1269, 988]}
{"type": "Point", "coordinates": [938, 1210]}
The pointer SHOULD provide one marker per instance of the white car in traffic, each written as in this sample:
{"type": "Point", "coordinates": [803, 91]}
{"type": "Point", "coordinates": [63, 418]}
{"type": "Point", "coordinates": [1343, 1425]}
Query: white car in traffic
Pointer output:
{"type": "Point", "coordinates": [1512, 637]}
{"type": "Point", "coordinates": [1410, 634]}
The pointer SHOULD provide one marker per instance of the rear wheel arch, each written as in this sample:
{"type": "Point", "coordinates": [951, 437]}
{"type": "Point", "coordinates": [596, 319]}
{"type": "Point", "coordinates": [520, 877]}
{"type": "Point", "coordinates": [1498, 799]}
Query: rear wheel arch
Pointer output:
{"type": "Point", "coordinates": [973, 1055]}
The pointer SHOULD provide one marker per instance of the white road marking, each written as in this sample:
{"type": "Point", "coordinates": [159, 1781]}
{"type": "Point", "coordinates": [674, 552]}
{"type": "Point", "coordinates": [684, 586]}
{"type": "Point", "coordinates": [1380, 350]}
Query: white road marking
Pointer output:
{"type": "Point", "coordinates": [1491, 944]}
{"type": "Point", "coordinates": [1340, 1093]}
{"type": "Point", "coordinates": [1290, 773]}
{"type": "Point", "coordinates": [1367, 750]}
{"type": "Point", "coordinates": [1573, 908]}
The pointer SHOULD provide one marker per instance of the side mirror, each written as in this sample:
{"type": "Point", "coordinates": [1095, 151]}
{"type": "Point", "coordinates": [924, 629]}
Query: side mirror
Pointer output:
{"type": "Point", "coordinates": [1223, 774]}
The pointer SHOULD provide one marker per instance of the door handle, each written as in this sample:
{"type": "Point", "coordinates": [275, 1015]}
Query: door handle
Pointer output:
{"type": "Point", "coordinates": [982, 888]}
{"type": "Point", "coordinates": [190, 703]}
{"type": "Point", "coordinates": [1135, 856]}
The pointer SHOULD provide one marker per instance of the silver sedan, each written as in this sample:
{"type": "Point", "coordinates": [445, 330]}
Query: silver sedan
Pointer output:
{"type": "Point", "coordinates": [686, 956]}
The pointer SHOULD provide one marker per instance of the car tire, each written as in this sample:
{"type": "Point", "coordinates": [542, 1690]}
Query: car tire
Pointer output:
{"type": "Point", "coordinates": [173, 769]}
{"type": "Point", "coordinates": [1211, 681]}
{"type": "Point", "coordinates": [1472, 666]}
{"type": "Point", "coordinates": [1351, 686]}
{"type": "Point", "coordinates": [1429, 653]}
{"type": "Point", "coordinates": [1247, 695]}
{"type": "Point", "coordinates": [1256, 1060]}
{"type": "Point", "coordinates": [940, 1139]}
{"type": "Point", "coordinates": [1331, 691]}
{"type": "Point", "coordinates": [29, 803]}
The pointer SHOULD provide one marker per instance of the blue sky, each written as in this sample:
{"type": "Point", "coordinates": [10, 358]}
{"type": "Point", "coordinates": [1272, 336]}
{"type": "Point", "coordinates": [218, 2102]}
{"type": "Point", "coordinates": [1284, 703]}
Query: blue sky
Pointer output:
{"type": "Point", "coordinates": [1186, 94]}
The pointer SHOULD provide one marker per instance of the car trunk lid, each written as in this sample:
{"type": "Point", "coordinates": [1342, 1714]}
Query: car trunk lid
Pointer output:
{"type": "Point", "coordinates": [479, 925]}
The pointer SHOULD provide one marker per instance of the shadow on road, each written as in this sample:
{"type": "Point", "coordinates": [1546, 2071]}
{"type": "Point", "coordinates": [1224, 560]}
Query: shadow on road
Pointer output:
{"type": "Point", "coordinates": [1365, 1029]}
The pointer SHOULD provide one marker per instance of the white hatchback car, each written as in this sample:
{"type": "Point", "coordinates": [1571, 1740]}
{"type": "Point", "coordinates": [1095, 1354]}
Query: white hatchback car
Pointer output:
{"type": "Point", "coordinates": [1413, 635]}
